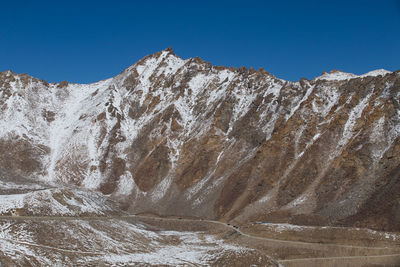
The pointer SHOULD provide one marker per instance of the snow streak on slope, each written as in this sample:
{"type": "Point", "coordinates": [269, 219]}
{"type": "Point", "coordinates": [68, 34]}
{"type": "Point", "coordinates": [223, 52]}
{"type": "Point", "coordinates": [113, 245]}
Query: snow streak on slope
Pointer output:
{"type": "Point", "coordinates": [77, 103]}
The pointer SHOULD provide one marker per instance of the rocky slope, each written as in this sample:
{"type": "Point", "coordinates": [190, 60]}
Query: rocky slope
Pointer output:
{"type": "Point", "coordinates": [116, 243]}
{"type": "Point", "coordinates": [183, 137]}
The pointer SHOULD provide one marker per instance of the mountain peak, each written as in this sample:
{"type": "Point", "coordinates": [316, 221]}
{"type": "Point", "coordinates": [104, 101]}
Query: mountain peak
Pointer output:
{"type": "Point", "coordinates": [376, 73]}
{"type": "Point", "coordinates": [338, 75]}
{"type": "Point", "coordinates": [169, 50]}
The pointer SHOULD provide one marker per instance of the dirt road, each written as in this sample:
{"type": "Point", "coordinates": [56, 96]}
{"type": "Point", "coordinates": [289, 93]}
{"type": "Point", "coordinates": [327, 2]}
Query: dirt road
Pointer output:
{"type": "Point", "coordinates": [383, 258]}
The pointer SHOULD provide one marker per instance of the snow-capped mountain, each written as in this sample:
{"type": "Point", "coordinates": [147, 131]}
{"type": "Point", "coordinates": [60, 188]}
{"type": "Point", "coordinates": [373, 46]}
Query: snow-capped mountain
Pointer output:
{"type": "Point", "coordinates": [182, 137]}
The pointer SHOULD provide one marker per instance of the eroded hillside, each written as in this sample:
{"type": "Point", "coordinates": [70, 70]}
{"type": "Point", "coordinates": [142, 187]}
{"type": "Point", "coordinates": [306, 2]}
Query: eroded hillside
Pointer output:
{"type": "Point", "coordinates": [182, 137]}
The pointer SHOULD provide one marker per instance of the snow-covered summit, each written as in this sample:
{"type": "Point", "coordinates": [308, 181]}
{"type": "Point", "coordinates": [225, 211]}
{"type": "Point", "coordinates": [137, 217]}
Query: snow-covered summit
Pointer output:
{"type": "Point", "coordinates": [375, 73]}
{"type": "Point", "coordinates": [337, 75]}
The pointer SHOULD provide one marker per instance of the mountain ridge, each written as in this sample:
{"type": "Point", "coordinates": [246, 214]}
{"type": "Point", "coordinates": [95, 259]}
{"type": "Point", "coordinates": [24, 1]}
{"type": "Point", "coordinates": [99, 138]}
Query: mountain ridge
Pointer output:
{"type": "Point", "coordinates": [183, 137]}
{"type": "Point", "coordinates": [170, 51]}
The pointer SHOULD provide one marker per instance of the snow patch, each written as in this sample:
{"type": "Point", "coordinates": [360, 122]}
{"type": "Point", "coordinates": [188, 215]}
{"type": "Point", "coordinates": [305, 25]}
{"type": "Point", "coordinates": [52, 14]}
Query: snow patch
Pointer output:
{"type": "Point", "coordinates": [125, 184]}
{"type": "Point", "coordinates": [340, 76]}
{"type": "Point", "coordinates": [375, 73]}
{"type": "Point", "coordinates": [336, 76]}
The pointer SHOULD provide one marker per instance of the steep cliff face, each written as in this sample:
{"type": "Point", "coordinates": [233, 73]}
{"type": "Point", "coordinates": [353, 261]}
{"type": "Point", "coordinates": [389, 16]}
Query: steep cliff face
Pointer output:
{"type": "Point", "coordinates": [183, 137]}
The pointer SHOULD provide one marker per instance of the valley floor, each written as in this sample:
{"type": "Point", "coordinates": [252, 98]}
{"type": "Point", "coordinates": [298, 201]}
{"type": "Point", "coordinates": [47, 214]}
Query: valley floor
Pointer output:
{"type": "Point", "coordinates": [43, 225]}
{"type": "Point", "coordinates": [170, 241]}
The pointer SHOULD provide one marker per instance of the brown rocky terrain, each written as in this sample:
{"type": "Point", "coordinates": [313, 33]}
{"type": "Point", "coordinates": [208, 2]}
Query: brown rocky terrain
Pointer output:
{"type": "Point", "coordinates": [183, 137]}
{"type": "Point", "coordinates": [178, 137]}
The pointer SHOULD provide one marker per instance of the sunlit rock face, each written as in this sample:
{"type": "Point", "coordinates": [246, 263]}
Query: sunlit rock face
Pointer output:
{"type": "Point", "coordinates": [182, 137]}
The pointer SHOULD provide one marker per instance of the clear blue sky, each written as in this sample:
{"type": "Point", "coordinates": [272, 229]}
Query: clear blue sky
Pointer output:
{"type": "Point", "coordinates": [86, 41]}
